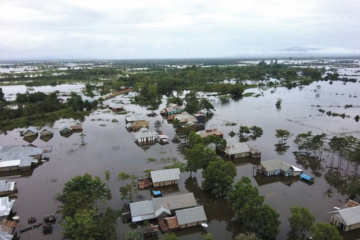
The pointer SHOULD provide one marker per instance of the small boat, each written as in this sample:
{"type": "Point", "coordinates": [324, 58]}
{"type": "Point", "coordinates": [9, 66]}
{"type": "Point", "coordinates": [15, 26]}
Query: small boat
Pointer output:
{"type": "Point", "coordinates": [16, 218]}
{"type": "Point", "coordinates": [337, 208]}
{"type": "Point", "coordinates": [204, 225]}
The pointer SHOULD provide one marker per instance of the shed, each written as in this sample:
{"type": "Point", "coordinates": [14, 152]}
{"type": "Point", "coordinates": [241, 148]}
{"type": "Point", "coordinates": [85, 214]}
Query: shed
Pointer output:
{"type": "Point", "coordinates": [30, 132]}
{"type": "Point", "coordinates": [346, 219]}
{"type": "Point", "coordinates": [237, 150]}
{"type": "Point", "coordinates": [165, 177]}
{"type": "Point", "coordinates": [191, 217]}
{"type": "Point", "coordinates": [46, 131]}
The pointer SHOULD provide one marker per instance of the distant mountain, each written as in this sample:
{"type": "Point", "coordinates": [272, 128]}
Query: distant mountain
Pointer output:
{"type": "Point", "coordinates": [299, 49]}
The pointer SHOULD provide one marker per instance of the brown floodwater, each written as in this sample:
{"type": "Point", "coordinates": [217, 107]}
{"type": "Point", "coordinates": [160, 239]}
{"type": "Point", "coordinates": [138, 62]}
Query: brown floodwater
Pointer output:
{"type": "Point", "coordinates": [112, 147]}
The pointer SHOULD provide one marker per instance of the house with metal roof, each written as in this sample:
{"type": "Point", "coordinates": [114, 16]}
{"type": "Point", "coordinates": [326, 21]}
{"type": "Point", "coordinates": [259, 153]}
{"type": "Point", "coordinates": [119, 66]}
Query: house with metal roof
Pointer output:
{"type": "Point", "coordinates": [141, 211]}
{"type": "Point", "coordinates": [237, 150]}
{"type": "Point", "coordinates": [211, 132]}
{"type": "Point", "coordinates": [116, 106]}
{"type": "Point", "coordinates": [165, 177]}
{"type": "Point", "coordinates": [175, 202]}
{"type": "Point", "coordinates": [171, 109]}
{"type": "Point", "coordinates": [63, 129]}
{"type": "Point", "coordinates": [30, 132]}
{"type": "Point", "coordinates": [27, 151]}
{"type": "Point", "coordinates": [5, 206]}
{"type": "Point", "coordinates": [135, 117]}
{"type": "Point", "coordinates": [46, 131]}
{"type": "Point", "coordinates": [186, 117]}
{"type": "Point", "coordinates": [6, 187]}
{"type": "Point", "coordinates": [7, 229]}
{"type": "Point", "coordinates": [278, 167]}
{"type": "Point", "coordinates": [191, 217]}
{"type": "Point", "coordinates": [144, 135]}
{"type": "Point", "coordinates": [346, 219]}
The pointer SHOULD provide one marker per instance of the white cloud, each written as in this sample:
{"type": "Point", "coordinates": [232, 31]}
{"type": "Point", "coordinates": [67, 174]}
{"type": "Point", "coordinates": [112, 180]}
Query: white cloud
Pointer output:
{"type": "Point", "coordinates": [197, 28]}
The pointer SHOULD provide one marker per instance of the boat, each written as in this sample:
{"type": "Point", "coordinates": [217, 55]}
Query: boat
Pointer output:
{"type": "Point", "coordinates": [16, 218]}
{"type": "Point", "coordinates": [204, 225]}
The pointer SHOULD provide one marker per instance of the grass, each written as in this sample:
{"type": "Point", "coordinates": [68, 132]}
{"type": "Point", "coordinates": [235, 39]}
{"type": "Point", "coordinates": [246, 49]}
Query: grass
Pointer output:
{"type": "Point", "coordinates": [248, 94]}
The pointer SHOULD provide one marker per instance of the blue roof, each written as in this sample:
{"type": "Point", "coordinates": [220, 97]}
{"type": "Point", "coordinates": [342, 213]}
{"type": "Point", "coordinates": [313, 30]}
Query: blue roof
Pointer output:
{"type": "Point", "coordinates": [304, 176]}
{"type": "Point", "coordinates": [156, 192]}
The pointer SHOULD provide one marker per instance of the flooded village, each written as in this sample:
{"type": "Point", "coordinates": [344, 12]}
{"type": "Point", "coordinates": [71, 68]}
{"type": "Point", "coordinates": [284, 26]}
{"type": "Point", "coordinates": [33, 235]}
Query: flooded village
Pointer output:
{"type": "Point", "coordinates": [149, 144]}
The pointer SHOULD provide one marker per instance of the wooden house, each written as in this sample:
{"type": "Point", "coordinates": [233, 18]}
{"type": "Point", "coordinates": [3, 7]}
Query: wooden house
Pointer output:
{"type": "Point", "coordinates": [65, 129]}
{"type": "Point", "coordinates": [165, 177]}
{"type": "Point", "coordinates": [7, 188]}
{"type": "Point", "coordinates": [144, 136]}
{"type": "Point", "coordinates": [46, 131]}
{"type": "Point", "coordinates": [211, 132]}
{"type": "Point", "coordinates": [237, 150]}
{"type": "Point", "coordinates": [171, 109]}
{"type": "Point", "coordinates": [277, 167]}
{"type": "Point", "coordinates": [30, 132]}
{"type": "Point", "coordinates": [346, 219]}
{"type": "Point", "coordinates": [191, 217]}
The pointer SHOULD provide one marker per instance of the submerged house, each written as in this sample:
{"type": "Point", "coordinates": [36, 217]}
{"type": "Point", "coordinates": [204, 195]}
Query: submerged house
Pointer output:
{"type": "Point", "coordinates": [30, 132]}
{"type": "Point", "coordinates": [185, 117]}
{"type": "Point", "coordinates": [5, 206]}
{"type": "Point", "coordinates": [277, 167]}
{"type": "Point", "coordinates": [346, 219]}
{"type": "Point", "coordinates": [46, 131]}
{"type": "Point", "coordinates": [7, 188]}
{"type": "Point", "coordinates": [20, 158]}
{"type": "Point", "coordinates": [136, 125]}
{"type": "Point", "coordinates": [171, 109]}
{"type": "Point", "coordinates": [211, 132]}
{"type": "Point", "coordinates": [237, 150]}
{"type": "Point", "coordinates": [144, 135]}
{"type": "Point", "coordinates": [135, 118]}
{"type": "Point", "coordinates": [116, 106]}
{"type": "Point", "coordinates": [160, 207]}
{"type": "Point", "coordinates": [165, 177]}
{"type": "Point", "coordinates": [7, 229]}
{"type": "Point", "coordinates": [64, 129]}
{"type": "Point", "coordinates": [191, 217]}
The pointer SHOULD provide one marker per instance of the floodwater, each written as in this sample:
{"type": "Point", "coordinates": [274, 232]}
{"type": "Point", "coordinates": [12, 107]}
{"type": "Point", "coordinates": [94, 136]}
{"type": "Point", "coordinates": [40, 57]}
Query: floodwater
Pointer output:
{"type": "Point", "coordinates": [112, 147]}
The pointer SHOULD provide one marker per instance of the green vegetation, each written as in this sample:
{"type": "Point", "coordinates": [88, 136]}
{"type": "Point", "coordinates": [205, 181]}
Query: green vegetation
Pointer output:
{"type": "Point", "coordinates": [250, 211]}
{"type": "Point", "coordinates": [325, 231]}
{"type": "Point", "coordinates": [207, 236]}
{"type": "Point", "coordinates": [248, 94]}
{"type": "Point", "coordinates": [247, 236]}
{"type": "Point", "coordinates": [169, 236]}
{"type": "Point", "coordinates": [301, 220]}
{"type": "Point", "coordinates": [132, 235]}
{"type": "Point", "coordinates": [246, 133]}
{"type": "Point", "coordinates": [199, 157]}
{"type": "Point", "coordinates": [84, 210]}
{"type": "Point", "coordinates": [278, 103]}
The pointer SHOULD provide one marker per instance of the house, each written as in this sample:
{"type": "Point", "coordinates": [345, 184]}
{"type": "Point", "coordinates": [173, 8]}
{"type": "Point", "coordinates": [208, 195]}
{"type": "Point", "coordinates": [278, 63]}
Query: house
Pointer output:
{"type": "Point", "coordinates": [171, 109]}
{"type": "Point", "coordinates": [7, 229]}
{"type": "Point", "coordinates": [346, 219]}
{"type": "Point", "coordinates": [77, 126]}
{"type": "Point", "coordinates": [160, 207]}
{"type": "Point", "coordinates": [27, 151]}
{"type": "Point", "coordinates": [165, 177]}
{"type": "Point", "coordinates": [144, 135]}
{"type": "Point", "coordinates": [277, 167]}
{"type": "Point", "coordinates": [211, 132]}
{"type": "Point", "coordinates": [116, 106]}
{"type": "Point", "coordinates": [46, 131]}
{"type": "Point", "coordinates": [135, 118]}
{"type": "Point", "coordinates": [20, 158]}
{"type": "Point", "coordinates": [185, 117]}
{"type": "Point", "coordinates": [64, 129]}
{"type": "Point", "coordinates": [191, 217]}
{"type": "Point", "coordinates": [5, 206]}
{"type": "Point", "coordinates": [135, 126]}
{"type": "Point", "coordinates": [30, 132]}
{"type": "Point", "coordinates": [163, 139]}
{"type": "Point", "coordinates": [6, 187]}
{"type": "Point", "coordinates": [200, 117]}
{"type": "Point", "coordinates": [237, 150]}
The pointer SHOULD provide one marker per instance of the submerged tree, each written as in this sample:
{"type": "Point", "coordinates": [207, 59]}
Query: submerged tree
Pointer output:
{"type": "Point", "coordinates": [283, 135]}
{"type": "Point", "coordinates": [325, 231]}
{"type": "Point", "coordinates": [301, 220]}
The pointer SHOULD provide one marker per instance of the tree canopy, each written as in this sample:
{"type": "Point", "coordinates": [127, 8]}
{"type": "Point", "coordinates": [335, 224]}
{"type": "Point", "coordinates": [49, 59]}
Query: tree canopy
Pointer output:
{"type": "Point", "coordinates": [325, 231]}
{"type": "Point", "coordinates": [301, 220]}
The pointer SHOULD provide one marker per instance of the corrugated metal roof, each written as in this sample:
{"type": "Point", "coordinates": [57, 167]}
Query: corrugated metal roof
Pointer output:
{"type": "Point", "coordinates": [144, 133]}
{"type": "Point", "coordinates": [186, 117]}
{"type": "Point", "coordinates": [191, 215]}
{"type": "Point", "coordinates": [236, 148]}
{"type": "Point", "coordinates": [31, 129]}
{"type": "Point", "coordinates": [6, 186]}
{"type": "Point", "coordinates": [165, 175]}
{"type": "Point", "coordinates": [7, 148]}
{"type": "Point", "coordinates": [11, 163]}
{"type": "Point", "coordinates": [29, 151]}
{"type": "Point", "coordinates": [47, 128]}
{"type": "Point", "coordinates": [276, 164]}
{"type": "Point", "coordinates": [63, 127]}
{"type": "Point", "coordinates": [133, 118]}
{"type": "Point", "coordinates": [175, 201]}
{"type": "Point", "coordinates": [162, 210]}
{"type": "Point", "coordinates": [5, 236]}
{"type": "Point", "coordinates": [142, 208]}
{"type": "Point", "coordinates": [296, 169]}
{"type": "Point", "coordinates": [5, 206]}
{"type": "Point", "coordinates": [349, 215]}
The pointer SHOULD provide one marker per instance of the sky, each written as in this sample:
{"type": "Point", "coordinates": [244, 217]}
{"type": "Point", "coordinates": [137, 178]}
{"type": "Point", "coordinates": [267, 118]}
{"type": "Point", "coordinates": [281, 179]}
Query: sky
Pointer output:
{"type": "Point", "coordinates": [133, 29]}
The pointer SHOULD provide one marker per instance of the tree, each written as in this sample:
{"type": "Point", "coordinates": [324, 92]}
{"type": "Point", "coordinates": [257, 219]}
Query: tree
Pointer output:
{"type": "Point", "coordinates": [82, 226]}
{"type": "Point", "coordinates": [157, 126]}
{"type": "Point", "coordinates": [107, 177]}
{"type": "Point", "coordinates": [169, 236]}
{"type": "Point", "coordinates": [199, 157]}
{"type": "Point", "coordinates": [2, 96]}
{"type": "Point", "coordinates": [256, 132]}
{"type": "Point", "coordinates": [247, 236]}
{"type": "Point", "coordinates": [81, 192]}
{"type": "Point", "coordinates": [207, 236]}
{"type": "Point", "coordinates": [283, 135]}
{"type": "Point", "coordinates": [325, 231]}
{"type": "Point", "coordinates": [219, 177]}
{"type": "Point", "coordinates": [132, 235]}
{"type": "Point", "coordinates": [129, 191]}
{"type": "Point", "coordinates": [122, 177]}
{"type": "Point", "coordinates": [278, 103]}
{"type": "Point", "coordinates": [301, 220]}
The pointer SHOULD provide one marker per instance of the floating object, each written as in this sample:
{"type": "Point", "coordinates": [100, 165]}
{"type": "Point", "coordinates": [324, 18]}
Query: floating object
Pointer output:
{"type": "Point", "coordinates": [337, 208]}
{"type": "Point", "coordinates": [16, 218]}
{"type": "Point", "coordinates": [31, 220]}
{"type": "Point", "coordinates": [306, 177]}
{"type": "Point", "coordinates": [156, 193]}
{"type": "Point", "coordinates": [204, 225]}
{"type": "Point", "coordinates": [49, 218]}
{"type": "Point", "coordinates": [30, 228]}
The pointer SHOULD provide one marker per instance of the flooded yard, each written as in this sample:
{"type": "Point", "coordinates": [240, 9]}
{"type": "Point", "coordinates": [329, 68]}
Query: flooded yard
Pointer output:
{"type": "Point", "coordinates": [109, 146]}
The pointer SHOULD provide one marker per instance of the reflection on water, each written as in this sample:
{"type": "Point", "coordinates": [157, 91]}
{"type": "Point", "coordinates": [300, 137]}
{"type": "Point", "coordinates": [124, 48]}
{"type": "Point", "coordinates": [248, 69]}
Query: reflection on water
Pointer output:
{"type": "Point", "coordinates": [112, 147]}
